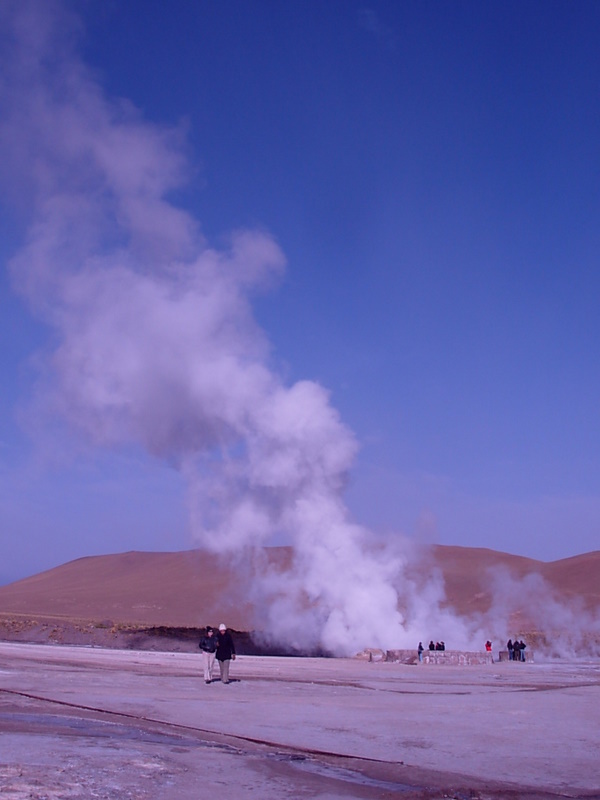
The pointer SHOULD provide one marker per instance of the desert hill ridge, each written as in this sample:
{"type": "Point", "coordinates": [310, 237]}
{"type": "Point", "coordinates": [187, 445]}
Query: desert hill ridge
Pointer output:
{"type": "Point", "coordinates": [192, 588]}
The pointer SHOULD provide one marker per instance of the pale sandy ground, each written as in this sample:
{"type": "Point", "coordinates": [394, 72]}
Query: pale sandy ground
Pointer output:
{"type": "Point", "coordinates": [90, 723]}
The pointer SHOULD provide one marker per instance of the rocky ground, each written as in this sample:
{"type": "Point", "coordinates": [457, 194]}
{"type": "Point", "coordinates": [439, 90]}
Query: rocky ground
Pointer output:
{"type": "Point", "coordinates": [83, 722]}
{"type": "Point", "coordinates": [42, 629]}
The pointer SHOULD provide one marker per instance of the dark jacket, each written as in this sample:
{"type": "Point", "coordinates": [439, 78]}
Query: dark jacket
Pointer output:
{"type": "Point", "coordinates": [208, 644]}
{"type": "Point", "coordinates": [225, 646]}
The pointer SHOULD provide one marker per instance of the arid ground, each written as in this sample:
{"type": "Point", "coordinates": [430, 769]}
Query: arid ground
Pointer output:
{"type": "Point", "coordinates": [83, 723]}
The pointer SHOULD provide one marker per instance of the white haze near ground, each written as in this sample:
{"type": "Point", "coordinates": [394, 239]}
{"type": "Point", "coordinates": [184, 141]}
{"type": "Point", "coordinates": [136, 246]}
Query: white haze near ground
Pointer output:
{"type": "Point", "coordinates": [156, 346]}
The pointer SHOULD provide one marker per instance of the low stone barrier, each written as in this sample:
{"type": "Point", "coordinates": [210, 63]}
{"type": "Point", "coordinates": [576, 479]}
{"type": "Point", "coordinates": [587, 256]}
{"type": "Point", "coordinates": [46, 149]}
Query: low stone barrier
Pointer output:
{"type": "Point", "coordinates": [503, 656]}
{"type": "Point", "coordinates": [445, 657]}
{"type": "Point", "coordinates": [459, 658]}
{"type": "Point", "coordinates": [371, 654]}
{"type": "Point", "coordinates": [402, 656]}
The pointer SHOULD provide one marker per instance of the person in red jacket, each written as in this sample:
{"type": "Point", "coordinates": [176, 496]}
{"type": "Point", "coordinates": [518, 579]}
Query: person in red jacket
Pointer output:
{"type": "Point", "coordinates": [225, 651]}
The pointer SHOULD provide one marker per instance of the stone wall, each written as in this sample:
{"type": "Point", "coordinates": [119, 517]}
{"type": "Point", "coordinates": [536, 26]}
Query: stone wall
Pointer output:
{"type": "Point", "coordinates": [371, 654]}
{"type": "Point", "coordinates": [402, 656]}
{"type": "Point", "coordinates": [444, 657]}
{"type": "Point", "coordinates": [503, 655]}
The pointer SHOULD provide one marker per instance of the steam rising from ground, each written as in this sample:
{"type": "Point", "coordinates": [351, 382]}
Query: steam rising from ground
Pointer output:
{"type": "Point", "coordinates": [156, 345]}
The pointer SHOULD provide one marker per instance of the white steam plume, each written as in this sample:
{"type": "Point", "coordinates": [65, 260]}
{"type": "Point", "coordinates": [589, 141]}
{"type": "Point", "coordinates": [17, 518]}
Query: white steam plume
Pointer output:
{"type": "Point", "coordinates": [156, 340]}
{"type": "Point", "coordinates": [563, 628]}
{"type": "Point", "coordinates": [157, 346]}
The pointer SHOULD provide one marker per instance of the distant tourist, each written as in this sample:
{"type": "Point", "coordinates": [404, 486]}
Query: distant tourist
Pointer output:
{"type": "Point", "coordinates": [208, 645]}
{"type": "Point", "coordinates": [488, 646]}
{"type": "Point", "coordinates": [522, 647]}
{"type": "Point", "coordinates": [516, 650]}
{"type": "Point", "coordinates": [442, 645]}
{"type": "Point", "coordinates": [420, 649]}
{"type": "Point", "coordinates": [431, 645]}
{"type": "Point", "coordinates": [225, 651]}
{"type": "Point", "coordinates": [511, 649]}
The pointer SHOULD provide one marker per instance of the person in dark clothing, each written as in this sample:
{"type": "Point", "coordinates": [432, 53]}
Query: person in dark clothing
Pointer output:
{"type": "Point", "coordinates": [225, 651]}
{"type": "Point", "coordinates": [442, 645]}
{"type": "Point", "coordinates": [420, 649]}
{"type": "Point", "coordinates": [208, 645]}
{"type": "Point", "coordinates": [516, 651]}
{"type": "Point", "coordinates": [511, 649]}
{"type": "Point", "coordinates": [431, 645]}
{"type": "Point", "coordinates": [522, 647]}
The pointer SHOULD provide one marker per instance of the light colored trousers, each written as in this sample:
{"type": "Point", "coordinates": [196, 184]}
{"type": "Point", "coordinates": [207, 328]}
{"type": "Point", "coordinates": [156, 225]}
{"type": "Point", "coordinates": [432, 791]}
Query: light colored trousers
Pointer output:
{"type": "Point", "coordinates": [224, 667]}
{"type": "Point", "coordinates": [209, 660]}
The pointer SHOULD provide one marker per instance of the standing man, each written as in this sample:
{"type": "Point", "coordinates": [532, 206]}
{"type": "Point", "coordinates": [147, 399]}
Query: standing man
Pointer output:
{"type": "Point", "coordinates": [208, 645]}
{"type": "Point", "coordinates": [225, 651]}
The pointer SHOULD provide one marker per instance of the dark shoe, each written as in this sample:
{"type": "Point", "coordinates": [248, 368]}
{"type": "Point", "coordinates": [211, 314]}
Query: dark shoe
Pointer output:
{"type": "Point", "coordinates": [206, 681]}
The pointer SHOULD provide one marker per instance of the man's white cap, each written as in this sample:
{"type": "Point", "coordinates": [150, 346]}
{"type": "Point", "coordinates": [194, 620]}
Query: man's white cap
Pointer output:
{"type": "Point", "coordinates": [222, 627]}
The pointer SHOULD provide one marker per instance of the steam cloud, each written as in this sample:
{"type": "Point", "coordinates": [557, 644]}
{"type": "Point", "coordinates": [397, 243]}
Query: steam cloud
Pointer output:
{"type": "Point", "coordinates": [157, 346]}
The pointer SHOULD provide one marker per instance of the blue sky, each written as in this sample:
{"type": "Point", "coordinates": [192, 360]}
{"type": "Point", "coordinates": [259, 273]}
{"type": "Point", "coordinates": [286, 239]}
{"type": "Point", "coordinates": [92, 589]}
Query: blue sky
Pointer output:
{"type": "Point", "coordinates": [430, 172]}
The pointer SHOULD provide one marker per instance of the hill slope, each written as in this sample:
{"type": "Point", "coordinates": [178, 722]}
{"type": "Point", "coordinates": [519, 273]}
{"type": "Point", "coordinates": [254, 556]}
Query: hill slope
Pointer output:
{"type": "Point", "coordinates": [193, 588]}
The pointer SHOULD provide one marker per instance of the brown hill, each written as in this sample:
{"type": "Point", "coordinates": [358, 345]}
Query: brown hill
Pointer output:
{"type": "Point", "coordinates": [188, 588]}
{"type": "Point", "coordinates": [467, 571]}
{"type": "Point", "coordinates": [193, 588]}
{"type": "Point", "coordinates": [578, 576]}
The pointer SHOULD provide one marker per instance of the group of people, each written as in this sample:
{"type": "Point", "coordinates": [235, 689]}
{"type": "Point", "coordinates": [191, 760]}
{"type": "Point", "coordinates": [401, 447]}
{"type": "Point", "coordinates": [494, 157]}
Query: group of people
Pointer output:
{"type": "Point", "coordinates": [217, 644]}
{"type": "Point", "coordinates": [516, 650]}
{"type": "Point", "coordinates": [432, 646]}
